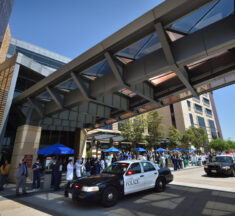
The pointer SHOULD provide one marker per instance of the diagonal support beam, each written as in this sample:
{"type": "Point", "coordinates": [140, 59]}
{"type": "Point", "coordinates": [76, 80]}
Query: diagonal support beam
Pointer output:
{"type": "Point", "coordinates": [37, 107]}
{"type": "Point", "coordinates": [180, 72]}
{"type": "Point", "coordinates": [114, 67]}
{"type": "Point", "coordinates": [56, 97]}
{"type": "Point", "coordinates": [120, 79]}
{"type": "Point", "coordinates": [80, 84]}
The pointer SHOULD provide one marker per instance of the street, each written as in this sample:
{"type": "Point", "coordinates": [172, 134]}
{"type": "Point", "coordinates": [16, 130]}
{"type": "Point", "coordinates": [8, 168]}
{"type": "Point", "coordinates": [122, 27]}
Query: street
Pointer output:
{"type": "Point", "coordinates": [178, 199]}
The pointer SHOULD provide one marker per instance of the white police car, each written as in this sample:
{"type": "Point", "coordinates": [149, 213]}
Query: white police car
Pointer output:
{"type": "Point", "coordinates": [120, 178]}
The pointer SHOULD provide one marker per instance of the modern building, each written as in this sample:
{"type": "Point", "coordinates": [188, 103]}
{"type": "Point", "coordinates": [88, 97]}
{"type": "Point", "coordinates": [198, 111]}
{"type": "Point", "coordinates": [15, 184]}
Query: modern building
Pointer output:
{"type": "Point", "coordinates": [137, 69]}
{"type": "Point", "coordinates": [32, 63]}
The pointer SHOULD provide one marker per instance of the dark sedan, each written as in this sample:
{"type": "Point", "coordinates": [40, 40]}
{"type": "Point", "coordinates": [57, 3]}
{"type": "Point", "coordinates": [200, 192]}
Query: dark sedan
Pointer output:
{"type": "Point", "coordinates": [221, 165]}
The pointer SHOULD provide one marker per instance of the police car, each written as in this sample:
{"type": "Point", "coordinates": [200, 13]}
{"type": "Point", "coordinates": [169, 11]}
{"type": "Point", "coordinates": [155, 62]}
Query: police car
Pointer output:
{"type": "Point", "coordinates": [119, 179]}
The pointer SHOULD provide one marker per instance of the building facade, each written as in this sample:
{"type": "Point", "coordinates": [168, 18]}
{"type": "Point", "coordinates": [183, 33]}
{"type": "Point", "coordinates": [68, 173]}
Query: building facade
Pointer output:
{"type": "Point", "coordinates": [26, 64]}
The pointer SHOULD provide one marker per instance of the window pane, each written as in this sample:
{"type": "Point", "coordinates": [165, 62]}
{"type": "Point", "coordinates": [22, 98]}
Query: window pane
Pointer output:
{"type": "Point", "coordinates": [135, 168]}
{"type": "Point", "coordinates": [206, 101]}
{"type": "Point", "coordinates": [191, 119]}
{"type": "Point", "coordinates": [198, 107]}
{"type": "Point", "coordinates": [148, 167]}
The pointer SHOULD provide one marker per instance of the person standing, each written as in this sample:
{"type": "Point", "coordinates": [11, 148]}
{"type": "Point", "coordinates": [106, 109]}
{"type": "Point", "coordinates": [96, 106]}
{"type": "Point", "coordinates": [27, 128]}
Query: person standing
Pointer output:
{"type": "Point", "coordinates": [21, 176]}
{"type": "Point", "coordinates": [97, 167]}
{"type": "Point", "coordinates": [69, 174]}
{"type": "Point", "coordinates": [4, 174]}
{"type": "Point", "coordinates": [57, 175]}
{"type": "Point", "coordinates": [36, 174]}
{"type": "Point", "coordinates": [88, 167]}
{"type": "Point", "coordinates": [78, 167]}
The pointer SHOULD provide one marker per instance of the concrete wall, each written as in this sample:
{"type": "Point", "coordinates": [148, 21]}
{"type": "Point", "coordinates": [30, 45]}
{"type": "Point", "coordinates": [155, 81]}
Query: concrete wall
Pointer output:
{"type": "Point", "coordinates": [26, 143]}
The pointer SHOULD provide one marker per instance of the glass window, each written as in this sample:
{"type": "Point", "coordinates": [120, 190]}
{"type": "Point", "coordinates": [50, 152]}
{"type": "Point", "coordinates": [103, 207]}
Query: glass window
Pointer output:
{"type": "Point", "coordinates": [148, 166]}
{"type": "Point", "coordinates": [191, 119]}
{"type": "Point", "coordinates": [206, 101]}
{"type": "Point", "coordinates": [116, 168]}
{"type": "Point", "coordinates": [208, 112]}
{"type": "Point", "coordinates": [201, 122]}
{"type": "Point", "coordinates": [107, 127]}
{"type": "Point", "coordinates": [197, 98]}
{"type": "Point", "coordinates": [141, 48]}
{"type": "Point", "coordinates": [189, 104]}
{"type": "Point", "coordinates": [198, 108]}
{"type": "Point", "coordinates": [205, 16]}
{"type": "Point", "coordinates": [135, 168]}
{"type": "Point", "coordinates": [212, 129]}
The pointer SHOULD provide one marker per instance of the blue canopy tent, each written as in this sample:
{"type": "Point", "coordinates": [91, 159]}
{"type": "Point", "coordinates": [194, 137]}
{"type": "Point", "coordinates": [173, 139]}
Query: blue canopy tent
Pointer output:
{"type": "Point", "coordinates": [191, 149]}
{"type": "Point", "coordinates": [56, 149]}
{"type": "Point", "coordinates": [160, 149]}
{"type": "Point", "coordinates": [140, 149]}
{"type": "Point", "coordinates": [177, 149]}
{"type": "Point", "coordinates": [112, 149]}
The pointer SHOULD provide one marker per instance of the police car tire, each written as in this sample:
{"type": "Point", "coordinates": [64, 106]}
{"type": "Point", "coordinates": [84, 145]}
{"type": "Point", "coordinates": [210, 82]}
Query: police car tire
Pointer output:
{"type": "Point", "coordinates": [160, 185]}
{"type": "Point", "coordinates": [74, 196]}
{"type": "Point", "coordinates": [109, 197]}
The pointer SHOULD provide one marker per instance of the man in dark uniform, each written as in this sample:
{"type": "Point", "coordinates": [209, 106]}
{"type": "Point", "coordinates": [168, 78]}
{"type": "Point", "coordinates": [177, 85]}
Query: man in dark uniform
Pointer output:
{"type": "Point", "coordinates": [57, 174]}
{"type": "Point", "coordinates": [36, 174]}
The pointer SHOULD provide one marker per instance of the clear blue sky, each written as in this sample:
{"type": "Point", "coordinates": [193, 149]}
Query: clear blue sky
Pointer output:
{"type": "Point", "coordinates": [70, 27]}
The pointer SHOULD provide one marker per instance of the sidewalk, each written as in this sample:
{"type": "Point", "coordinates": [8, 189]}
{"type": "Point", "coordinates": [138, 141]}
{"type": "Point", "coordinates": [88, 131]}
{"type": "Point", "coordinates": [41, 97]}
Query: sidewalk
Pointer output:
{"type": "Point", "coordinates": [10, 190]}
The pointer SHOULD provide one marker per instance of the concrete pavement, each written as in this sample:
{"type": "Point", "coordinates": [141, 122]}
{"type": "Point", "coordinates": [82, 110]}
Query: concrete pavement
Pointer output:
{"type": "Point", "coordinates": [177, 200]}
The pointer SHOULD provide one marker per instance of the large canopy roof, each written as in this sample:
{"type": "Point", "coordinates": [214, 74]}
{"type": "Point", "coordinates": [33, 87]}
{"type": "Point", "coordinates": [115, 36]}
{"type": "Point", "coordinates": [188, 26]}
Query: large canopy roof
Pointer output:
{"type": "Point", "coordinates": [177, 50]}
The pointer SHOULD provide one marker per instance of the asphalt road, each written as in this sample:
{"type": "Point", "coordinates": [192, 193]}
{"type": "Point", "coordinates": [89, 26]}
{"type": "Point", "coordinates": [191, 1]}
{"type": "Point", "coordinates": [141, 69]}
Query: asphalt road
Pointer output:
{"type": "Point", "coordinates": [176, 200]}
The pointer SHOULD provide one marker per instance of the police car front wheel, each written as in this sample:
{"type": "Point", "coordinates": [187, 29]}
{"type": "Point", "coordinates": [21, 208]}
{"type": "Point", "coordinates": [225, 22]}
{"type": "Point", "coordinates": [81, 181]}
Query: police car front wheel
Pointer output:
{"type": "Point", "coordinates": [160, 185]}
{"type": "Point", "coordinates": [109, 197]}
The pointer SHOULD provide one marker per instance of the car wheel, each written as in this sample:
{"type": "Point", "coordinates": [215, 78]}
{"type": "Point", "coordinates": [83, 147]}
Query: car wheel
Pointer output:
{"type": "Point", "coordinates": [209, 174]}
{"type": "Point", "coordinates": [160, 185]}
{"type": "Point", "coordinates": [109, 197]}
{"type": "Point", "coordinates": [233, 173]}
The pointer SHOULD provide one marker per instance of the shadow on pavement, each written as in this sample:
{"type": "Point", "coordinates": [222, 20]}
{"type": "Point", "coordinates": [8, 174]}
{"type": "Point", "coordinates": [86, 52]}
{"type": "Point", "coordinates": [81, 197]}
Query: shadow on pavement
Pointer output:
{"type": "Point", "coordinates": [176, 200]}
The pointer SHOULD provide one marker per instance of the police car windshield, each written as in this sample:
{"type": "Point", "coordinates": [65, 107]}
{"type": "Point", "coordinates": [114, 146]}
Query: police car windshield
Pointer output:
{"type": "Point", "coordinates": [222, 159]}
{"type": "Point", "coordinates": [116, 168]}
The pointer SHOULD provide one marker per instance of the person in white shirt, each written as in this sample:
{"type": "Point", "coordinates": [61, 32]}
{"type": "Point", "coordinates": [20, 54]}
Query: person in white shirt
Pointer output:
{"type": "Point", "coordinates": [78, 167]}
{"type": "Point", "coordinates": [69, 174]}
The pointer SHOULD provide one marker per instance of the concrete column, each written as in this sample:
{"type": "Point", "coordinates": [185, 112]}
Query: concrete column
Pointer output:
{"type": "Point", "coordinates": [80, 143]}
{"type": "Point", "coordinates": [26, 144]}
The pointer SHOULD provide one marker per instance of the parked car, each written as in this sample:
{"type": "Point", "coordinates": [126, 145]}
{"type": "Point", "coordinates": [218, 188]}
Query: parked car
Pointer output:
{"type": "Point", "coordinates": [119, 179]}
{"type": "Point", "coordinates": [221, 165]}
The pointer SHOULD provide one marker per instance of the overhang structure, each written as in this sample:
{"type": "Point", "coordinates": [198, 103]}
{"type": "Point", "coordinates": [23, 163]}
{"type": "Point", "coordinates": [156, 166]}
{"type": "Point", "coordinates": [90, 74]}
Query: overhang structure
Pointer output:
{"type": "Point", "coordinates": [177, 50]}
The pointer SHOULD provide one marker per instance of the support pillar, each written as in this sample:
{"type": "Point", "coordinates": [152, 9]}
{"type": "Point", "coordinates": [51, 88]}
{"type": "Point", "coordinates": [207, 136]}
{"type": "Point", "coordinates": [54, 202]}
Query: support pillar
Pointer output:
{"type": "Point", "coordinates": [80, 143]}
{"type": "Point", "coordinates": [26, 146]}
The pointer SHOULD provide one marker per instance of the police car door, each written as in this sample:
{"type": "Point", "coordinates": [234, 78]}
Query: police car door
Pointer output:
{"type": "Point", "coordinates": [150, 174]}
{"type": "Point", "coordinates": [133, 179]}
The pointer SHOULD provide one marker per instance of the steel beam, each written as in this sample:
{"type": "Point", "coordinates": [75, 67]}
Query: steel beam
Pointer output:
{"type": "Point", "coordinates": [180, 72]}
{"type": "Point", "coordinates": [37, 107]}
{"type": "Point", "coordinates": [114, 68]}
{"type": "Point", "coordinates": [55, 97]}
{"type": "Point", "coordinates": [80, 84]}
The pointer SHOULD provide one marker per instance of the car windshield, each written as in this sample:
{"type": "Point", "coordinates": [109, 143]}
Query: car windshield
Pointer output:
{"type": "Point", "coordinates": [116, 168]}
{"type": "Point", "coordinates": [222, 159]}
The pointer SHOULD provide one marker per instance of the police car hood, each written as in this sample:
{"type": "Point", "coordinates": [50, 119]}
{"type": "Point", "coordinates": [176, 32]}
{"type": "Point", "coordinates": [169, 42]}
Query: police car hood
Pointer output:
{"type": "Point", "coordinates": [97, 179]}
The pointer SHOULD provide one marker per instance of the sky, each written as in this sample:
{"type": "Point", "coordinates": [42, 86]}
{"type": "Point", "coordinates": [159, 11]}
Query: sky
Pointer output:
{"type": "Point", "coordinates": [70, 27]}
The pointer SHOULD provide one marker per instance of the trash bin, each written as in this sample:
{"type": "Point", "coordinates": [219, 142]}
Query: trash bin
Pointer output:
{"type": "Point", "coordinates": [47, 180]}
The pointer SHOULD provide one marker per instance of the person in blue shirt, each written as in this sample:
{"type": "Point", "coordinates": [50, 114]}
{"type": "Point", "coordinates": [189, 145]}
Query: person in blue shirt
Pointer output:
{"type": "Point", "coordinates": [36, 174]}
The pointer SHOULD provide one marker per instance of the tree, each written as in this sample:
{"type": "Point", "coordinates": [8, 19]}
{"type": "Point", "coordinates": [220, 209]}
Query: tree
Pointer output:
{"type": "Point", "coordinates": [155, 127]}
{"type": "Point", "coordinates": [231, 144]}
{"type": "Point", "coordinates": [133, 130]}
{"type": "Point", "coordinates": [187, 137]}
{"type": "Point", "coordinates": [219, 145]}
{"type": "Point", "coordinates": [174, 137]}
{"type": "Point", "coordinates": [195, 136]}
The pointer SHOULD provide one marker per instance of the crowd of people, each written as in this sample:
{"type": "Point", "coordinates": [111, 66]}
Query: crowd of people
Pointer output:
{"type": "Point", "coordinates": [93, 166]}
